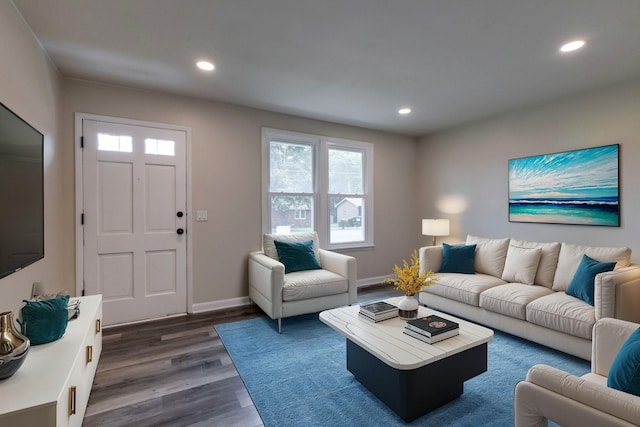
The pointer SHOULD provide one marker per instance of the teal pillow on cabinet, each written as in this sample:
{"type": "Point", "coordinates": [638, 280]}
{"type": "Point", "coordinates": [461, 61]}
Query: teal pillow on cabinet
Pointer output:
{"type": "Point", "coordinates": [583, 283]}
{"type": "Point", "coordinates": [624, 373]}
{"type": "Point", "coordinates": [297, 256]}
{"type": "Point", "coordinates": [458, 259]}
{"type": "Point", "coordinates": [45, 321]}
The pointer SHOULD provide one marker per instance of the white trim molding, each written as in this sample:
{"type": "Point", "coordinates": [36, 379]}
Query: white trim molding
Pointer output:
{"type": "Point", "coordinates": [203, 307]}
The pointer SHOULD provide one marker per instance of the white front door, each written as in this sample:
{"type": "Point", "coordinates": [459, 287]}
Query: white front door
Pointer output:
{"type": "Point", "coordinates": [134, 197]}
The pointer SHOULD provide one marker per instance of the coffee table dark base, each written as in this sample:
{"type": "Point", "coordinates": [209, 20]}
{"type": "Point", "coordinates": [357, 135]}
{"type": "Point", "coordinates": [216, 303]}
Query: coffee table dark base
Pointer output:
{"type": "Point", "coordinates": [413, 393]}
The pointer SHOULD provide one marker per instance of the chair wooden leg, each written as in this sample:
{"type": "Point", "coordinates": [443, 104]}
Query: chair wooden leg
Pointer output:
{"type": "Point", "coordinates": [279, 325]}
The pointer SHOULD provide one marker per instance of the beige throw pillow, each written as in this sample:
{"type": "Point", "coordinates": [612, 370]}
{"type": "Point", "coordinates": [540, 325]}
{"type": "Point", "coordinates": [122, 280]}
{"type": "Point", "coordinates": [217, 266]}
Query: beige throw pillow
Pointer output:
{"type": "Point", "coordinates": [490, 254]}
{"type": "Point", "coordinates": [548, 260]}
{"type": "Point", "coordinates": [521, 265]}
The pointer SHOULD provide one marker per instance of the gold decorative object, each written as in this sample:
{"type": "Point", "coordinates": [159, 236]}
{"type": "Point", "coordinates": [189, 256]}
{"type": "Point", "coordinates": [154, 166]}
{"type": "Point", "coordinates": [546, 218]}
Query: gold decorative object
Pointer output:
{"type": "Point", "coordinates": [13, 346]}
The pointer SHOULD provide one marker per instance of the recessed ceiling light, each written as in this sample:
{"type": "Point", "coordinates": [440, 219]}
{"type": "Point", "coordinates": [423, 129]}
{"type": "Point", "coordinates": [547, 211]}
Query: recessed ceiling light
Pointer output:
{"type": "Point", "coordinates": [571, 46]}
{"type": "Point", "coordinates": [404, 111]}
{"type": "Point", "coordinates": [205, 65]}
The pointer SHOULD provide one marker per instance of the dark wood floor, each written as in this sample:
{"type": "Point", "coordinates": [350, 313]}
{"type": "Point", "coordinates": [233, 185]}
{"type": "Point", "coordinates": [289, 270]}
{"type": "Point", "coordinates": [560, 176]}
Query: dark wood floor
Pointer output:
{"type": "Point", "coordinates": [176, 372]}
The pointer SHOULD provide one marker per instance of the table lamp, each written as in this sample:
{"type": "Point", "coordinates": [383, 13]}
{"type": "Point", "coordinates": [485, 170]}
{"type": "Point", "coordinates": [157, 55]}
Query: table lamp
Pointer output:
{"type": "Point", "coordinates": [435, 227]}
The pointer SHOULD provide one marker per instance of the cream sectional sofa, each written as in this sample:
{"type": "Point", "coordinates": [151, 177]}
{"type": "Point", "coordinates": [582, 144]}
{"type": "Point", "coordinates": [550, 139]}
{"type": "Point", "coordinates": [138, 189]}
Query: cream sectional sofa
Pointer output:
{"type": "Point", "coordinates": [519, 287]}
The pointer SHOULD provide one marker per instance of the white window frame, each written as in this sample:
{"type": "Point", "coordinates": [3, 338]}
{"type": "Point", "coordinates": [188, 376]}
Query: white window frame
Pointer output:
{"type": "Point", "coordinates": [320, 212]}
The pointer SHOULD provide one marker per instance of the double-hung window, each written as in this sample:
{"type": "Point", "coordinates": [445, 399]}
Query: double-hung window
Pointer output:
{"type": "Point", "coordinates": [313, 182]}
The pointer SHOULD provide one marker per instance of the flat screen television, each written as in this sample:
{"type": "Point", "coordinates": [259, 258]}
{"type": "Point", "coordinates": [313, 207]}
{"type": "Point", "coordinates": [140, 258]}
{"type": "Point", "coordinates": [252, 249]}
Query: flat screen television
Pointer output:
{"type": "Point", "coordinates": [21, 193]}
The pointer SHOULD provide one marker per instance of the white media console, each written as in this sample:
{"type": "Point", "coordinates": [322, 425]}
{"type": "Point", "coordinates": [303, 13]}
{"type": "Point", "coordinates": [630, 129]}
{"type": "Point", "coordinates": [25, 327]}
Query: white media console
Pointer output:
{"type": "Point", "coordinates": [51, 388]}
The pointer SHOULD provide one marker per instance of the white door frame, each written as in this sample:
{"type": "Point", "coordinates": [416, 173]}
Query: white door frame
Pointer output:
{"type": "Point", "coordinates": [79, 208]}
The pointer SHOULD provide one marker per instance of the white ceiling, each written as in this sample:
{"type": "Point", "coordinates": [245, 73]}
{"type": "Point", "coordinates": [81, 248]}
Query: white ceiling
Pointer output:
{"type": "Point", "coordinates": [348, 61]}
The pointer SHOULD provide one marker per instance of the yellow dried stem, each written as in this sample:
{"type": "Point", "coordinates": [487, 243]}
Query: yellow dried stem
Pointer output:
{"type": "Point", "coordinates": [409, 279]}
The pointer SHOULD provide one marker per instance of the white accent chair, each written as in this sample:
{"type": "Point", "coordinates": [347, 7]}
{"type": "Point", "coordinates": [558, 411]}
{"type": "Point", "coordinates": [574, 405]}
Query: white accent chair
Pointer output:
{"type": "Point", "coordinates": [282, 295]}
{"type": "Point", "coordinates": [551, 394]}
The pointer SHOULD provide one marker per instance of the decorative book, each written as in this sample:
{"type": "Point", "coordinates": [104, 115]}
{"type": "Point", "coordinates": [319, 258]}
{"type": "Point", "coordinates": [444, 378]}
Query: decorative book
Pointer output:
{"type": "Point", "coordinates": [431, 326]}
{"type": "Point", "coordinates": [378, 311]}
{"type": "Point", "coordinates": [434, 339]}
{"type": "Point", "coordinates": [377, 308]}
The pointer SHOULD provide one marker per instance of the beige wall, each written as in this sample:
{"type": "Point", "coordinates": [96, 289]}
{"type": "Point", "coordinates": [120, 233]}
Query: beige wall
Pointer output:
{"type": "Point", "coordinates": [226, 179]}
{"type": "Point", "coordinates": [30, 86]}
{"type": "Point", "coordinates": [467, 166]}
{"type": "Point", "coordinates": [464, 169]}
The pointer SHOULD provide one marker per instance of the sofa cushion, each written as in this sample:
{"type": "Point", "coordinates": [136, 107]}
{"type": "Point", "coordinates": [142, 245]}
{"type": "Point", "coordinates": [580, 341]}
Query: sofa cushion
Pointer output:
{"type": "Point", "coordinates": [302, 285]}
{"type": "Point", "coordinates": [458, 259]}
{"type": "Point", "coordinates": [548, 260]}
{"type": "Point", "coordinates": [297, 256]}
{"type": "Point", "coordinates": [571, 255]}
{"type": "Point", "coordinates": [624, 373]}
{"type": "Point", "coordinates": [465, 288]}
{"type": "Point", "coordinates": [512, 299]}
{"type": "Point", "coordinates": [269, 246]}
{"type": "Point", "coordinates": [521, 264]}
{"type": "Point", "coordinates": [490, 254]}
{"type": "Point", "coordinates": [563, 313]}
{"type": "Point", "coordinates": [583, 283]}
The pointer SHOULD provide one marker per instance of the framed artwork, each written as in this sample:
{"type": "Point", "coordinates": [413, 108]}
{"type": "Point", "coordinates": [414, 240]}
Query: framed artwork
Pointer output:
{"type": "Point", "coordinates": [572, 187]}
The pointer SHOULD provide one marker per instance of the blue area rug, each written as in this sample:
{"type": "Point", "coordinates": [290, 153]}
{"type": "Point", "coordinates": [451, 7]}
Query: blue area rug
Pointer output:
{"type": "Point", "coordinates": [299, 378]}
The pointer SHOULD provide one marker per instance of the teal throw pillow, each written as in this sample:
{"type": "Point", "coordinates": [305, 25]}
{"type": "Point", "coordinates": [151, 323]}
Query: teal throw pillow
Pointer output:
{"type": "Point", "coordinates": [297, 256]}
{"type": "Point", "coordinates": [458, 259]}
{"type": "Point", "coordinates": [624, 373]}
{"type": "Point", "coordinates": [583, 283]}
{"type": "Point", "coordinates": [45, 321]}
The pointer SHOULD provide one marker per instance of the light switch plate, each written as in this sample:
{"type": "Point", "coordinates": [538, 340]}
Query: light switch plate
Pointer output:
{"type": "Point", "coordinates": [202, 215]}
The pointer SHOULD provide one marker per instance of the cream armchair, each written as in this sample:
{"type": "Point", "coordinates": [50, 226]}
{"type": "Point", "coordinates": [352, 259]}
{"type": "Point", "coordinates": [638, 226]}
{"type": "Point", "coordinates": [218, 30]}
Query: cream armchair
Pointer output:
{"type": "Point", "coordinates": [282, 295]}
{"type": "Point", "coordinates": [551, 394]}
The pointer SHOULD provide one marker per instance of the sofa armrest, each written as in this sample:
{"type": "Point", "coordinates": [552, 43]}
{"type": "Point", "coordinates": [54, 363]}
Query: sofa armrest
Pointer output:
{"type": "Point", "coordinates": [617, 294]}
{"type": "Point", "coordinates": [596, 396]}
{"type": "Point", "coordinates": [266, 276]}
{"type": "Point", "coordinates": [608, 336]}
{"type": "Point", "coordinates": [343, 265]}
{"type": "Point", "coordinates": [430, 258]}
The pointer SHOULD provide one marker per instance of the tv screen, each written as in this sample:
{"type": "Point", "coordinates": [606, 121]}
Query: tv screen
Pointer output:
{"type": "Point", "coordinates": [21, 193]}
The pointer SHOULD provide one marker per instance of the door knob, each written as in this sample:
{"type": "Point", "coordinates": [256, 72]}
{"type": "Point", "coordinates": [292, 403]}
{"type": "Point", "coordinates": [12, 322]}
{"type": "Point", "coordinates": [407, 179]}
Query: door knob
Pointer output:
{"type": "Point", "coordinates": [180, 231]}
{"type": "Point", "coordinates": [180, 214]}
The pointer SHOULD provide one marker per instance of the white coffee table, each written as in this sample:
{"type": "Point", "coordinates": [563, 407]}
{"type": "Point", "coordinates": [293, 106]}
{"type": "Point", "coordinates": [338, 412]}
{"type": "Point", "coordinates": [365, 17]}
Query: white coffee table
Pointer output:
{"type": "Point", "coordinates": [408, 375]}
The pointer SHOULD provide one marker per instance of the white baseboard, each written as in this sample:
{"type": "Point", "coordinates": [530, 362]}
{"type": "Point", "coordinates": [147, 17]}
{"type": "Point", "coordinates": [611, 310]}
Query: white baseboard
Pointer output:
{"type": "Point", "coordinates": [203, 307]}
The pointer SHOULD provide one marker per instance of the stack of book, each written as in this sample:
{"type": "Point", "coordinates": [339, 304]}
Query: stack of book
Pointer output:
{"type": "Point", "coordinates": [378, 311]}
{"type": "Point", "coordinates": [431, 329]}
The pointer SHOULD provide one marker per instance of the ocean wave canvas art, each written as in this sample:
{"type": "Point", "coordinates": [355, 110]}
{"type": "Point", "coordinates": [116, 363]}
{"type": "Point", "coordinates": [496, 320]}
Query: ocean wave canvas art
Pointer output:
{"type": "Point", "coordinates": [572, 187]}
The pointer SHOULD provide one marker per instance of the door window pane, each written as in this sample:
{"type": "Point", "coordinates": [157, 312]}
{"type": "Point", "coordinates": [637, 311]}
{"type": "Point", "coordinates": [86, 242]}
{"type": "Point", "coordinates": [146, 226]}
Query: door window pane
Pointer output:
{"type": "Point", "coordinates": [163, 147]}
{"type": "Point", "coordinates": [291, 168]}
{"type": "Point", "coordinates": [121, 143]}
{"type": "Point", "coordinates": [345, 172]}
{"type": "Point", "coordinates": [347, 219]}
{"type": "Point", "coordinates": [294, 212]}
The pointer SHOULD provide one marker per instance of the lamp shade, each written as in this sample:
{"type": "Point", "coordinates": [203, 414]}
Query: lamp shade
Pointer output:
{"type": "Point", "coordinates": [435, 227]}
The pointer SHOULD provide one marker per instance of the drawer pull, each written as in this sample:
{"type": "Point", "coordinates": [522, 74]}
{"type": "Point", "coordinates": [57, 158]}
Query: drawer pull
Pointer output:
{"type": "Point", "coordinates": [89, 353]}
{"type": "Point", "coordinates": [98, 326]}
{"type": "Point", "coordinates": [72, 400]}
